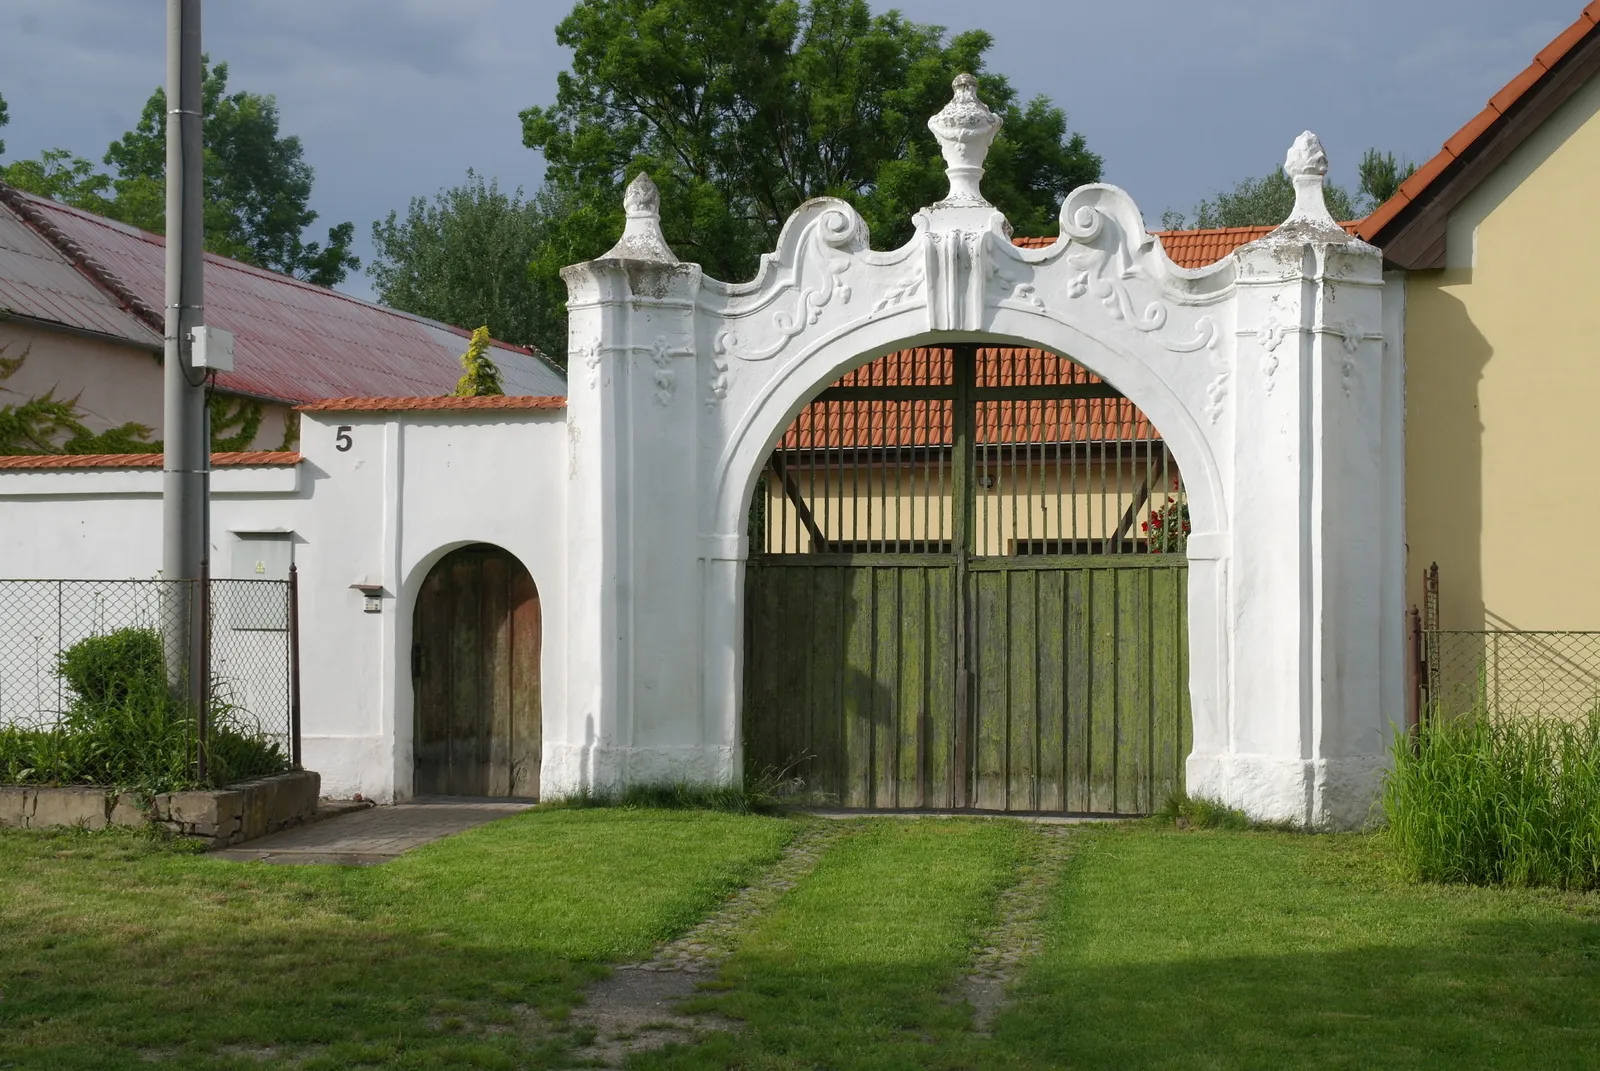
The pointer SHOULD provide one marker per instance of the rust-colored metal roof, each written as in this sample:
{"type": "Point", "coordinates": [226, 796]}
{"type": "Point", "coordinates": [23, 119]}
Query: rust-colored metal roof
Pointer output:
{"type": "Point", "coordinates": [1197, 249]}
{"type": "Point", "coordinates": [40, 281]}
{"type": "Point", "coordinates": [447, 402]}
{"type": "Point", "coordinates": [1419, 184]}
{"type": "Point", "coordinates": [293, 342]}
{"type": "Point", "coordinates": [230, 459]}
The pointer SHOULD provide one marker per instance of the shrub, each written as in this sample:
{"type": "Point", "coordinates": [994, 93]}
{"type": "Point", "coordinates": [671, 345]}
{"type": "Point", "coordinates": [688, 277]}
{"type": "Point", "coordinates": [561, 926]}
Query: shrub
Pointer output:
{"type": "Point", "coordinates": [104, 670]}
{"type": "Point", "coordinates": [126, 729]}
{"type": "Point", "coordinates": [1509, 801]}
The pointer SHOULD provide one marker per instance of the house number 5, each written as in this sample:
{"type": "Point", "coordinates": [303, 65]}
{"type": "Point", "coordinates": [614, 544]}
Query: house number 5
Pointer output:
{"type": "Point", "coordinates": [341, 438]}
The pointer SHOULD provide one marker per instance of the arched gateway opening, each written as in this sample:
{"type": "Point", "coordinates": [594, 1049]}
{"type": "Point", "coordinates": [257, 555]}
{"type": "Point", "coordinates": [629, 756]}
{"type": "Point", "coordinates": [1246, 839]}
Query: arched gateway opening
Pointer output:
{"type": "Point", "coordinates": [978, 642]}
{"type": "Point", "coordinates": [475, 673]}
{"type": "Point", "coordinates": [967, 588]}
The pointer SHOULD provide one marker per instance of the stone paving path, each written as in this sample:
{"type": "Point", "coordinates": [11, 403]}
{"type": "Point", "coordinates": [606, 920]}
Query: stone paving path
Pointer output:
{"type": "Point", "coordinates": [635, 1010]}
{"type": "Point", "coordinates": [375, 834]}
{"type": "Point", "coordinates": [1018, 932]}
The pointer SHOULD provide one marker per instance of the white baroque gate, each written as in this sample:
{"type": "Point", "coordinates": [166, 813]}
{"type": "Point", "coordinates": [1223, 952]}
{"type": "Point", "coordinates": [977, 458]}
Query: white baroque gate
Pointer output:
{"type": "Point", "coordinates": [1266, 373]}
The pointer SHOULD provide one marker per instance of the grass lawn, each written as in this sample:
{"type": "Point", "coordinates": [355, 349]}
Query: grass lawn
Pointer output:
{"type": "Point", "coordinates": [1164, 950]}
{"type": "Point", "coordinates": [120, 954]}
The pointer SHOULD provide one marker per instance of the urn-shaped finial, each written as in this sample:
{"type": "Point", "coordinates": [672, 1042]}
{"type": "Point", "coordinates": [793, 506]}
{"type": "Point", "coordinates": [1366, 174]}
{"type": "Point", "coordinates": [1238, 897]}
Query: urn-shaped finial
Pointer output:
{"type": "Point", "coordinates": [965, 128]}
{"type": "Point", "coordinates": [641, 233]}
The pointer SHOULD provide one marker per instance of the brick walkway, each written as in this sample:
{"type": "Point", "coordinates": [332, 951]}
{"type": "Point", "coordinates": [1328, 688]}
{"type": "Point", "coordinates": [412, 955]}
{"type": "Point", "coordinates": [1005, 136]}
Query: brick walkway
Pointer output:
{"type": "Point", "coordinates": [373, 835]}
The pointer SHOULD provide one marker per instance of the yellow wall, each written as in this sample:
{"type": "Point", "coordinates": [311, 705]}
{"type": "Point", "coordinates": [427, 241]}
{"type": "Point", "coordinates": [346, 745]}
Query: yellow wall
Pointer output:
{"type": "Point", "coordinates": [1502, 353]}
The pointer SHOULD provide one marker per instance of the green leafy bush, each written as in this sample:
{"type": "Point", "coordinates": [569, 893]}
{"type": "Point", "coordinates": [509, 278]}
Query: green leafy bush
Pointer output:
{"type": "Point", "coordinates": [1498, 801]}
{"type": "Point", "coordinates": [126, 729]}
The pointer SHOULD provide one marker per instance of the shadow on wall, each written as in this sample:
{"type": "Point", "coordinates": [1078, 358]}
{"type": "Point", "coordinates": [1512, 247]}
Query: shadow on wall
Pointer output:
{"type": "Point", "coordinates": [1445, 360]}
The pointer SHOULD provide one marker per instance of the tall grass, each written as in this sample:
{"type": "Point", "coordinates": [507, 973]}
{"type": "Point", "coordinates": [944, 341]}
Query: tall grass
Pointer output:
{"type": "Point", "coordinates": [1498, 801]}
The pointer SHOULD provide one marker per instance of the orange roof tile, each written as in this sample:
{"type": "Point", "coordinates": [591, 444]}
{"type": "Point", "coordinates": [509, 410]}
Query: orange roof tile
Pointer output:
{"type": "Point", "coordinates": [1473, 129]}
{"type": "Point", "coordinates": [395, 405]}
{"type": "Point", "coordinates": [1195, 249]}
{"type": "Point", "coordinates": [246, 458]}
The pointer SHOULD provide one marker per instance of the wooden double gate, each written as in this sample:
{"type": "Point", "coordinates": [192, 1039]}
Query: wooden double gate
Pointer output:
{"type": "Point", "coordinates": [967, 590]}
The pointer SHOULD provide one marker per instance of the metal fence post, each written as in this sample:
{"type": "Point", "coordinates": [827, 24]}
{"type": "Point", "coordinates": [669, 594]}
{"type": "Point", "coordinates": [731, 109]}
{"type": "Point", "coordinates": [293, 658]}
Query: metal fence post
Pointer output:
{"type": "Point", "coordinates": [1415, 667]}
{"type": "Point", "coordinates": [294, 665]}
{"type": "Point", "coordinates": [201, 691]}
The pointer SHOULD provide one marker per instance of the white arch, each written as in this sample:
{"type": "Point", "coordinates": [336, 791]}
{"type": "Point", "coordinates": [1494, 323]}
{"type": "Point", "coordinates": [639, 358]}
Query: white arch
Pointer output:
{"type": "Point", "coordinates": [1265, 373]}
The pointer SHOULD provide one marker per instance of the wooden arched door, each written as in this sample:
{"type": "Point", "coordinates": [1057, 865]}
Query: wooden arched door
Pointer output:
{"type": "Point", "coordinates": [475, 669]}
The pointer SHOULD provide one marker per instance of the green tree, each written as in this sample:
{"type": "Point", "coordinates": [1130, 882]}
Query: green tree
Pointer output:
{"type": "Point", "coordinates": [1381, 175]}
{"type": "Point", "coordinates": [257, 183]}
{"type": "Point", "coordinates": [5, 117]}
{"type": "Point", "coordinates": [743, 109]}
{"type": "Point", "coordinates": [1267, 201]}
{"type": "Point", "coordinates": [463, 258]}
{"type": "Point", "coordinates": [481, 377]}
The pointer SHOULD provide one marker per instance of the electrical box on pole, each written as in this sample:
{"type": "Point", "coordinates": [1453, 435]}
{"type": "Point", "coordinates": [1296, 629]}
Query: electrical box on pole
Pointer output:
{"type": "Point", "coordinates": [212, 349]}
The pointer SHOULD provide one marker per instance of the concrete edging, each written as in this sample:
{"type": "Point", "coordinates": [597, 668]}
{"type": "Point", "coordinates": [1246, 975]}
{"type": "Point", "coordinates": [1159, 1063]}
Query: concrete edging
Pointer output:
{"type": "Point", "coordinates": [219, 817]}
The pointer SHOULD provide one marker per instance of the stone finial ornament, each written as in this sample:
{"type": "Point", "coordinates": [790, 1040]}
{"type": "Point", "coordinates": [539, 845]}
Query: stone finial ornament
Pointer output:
{"type": "Point", "coordinates": [1307, 166]}
{"type": "Point", "coordinates": [965, 128]}
{"type": "Point", "coordinates": [641, 234]}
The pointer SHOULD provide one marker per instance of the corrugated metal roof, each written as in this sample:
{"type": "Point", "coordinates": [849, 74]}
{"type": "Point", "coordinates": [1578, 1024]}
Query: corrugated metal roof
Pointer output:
{"type": "Point", "coordinates": [39, 281]}
{"type": "Point", "coordinates": [298, 342]}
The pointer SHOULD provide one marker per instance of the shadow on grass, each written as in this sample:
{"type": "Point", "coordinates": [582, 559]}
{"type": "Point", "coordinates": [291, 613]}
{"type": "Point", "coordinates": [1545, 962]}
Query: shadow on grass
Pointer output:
{"type": "Point", "coordinates": [1488, 995]}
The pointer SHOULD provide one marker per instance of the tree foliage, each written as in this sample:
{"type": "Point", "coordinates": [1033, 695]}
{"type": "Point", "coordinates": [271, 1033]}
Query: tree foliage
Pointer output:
{"type": "Point", "coordinates": [257, 183]}
{"type": "Point", "coordinates": [463, 258]}
{"type": "Point", "coordinates": [5, 117]}
{"type": "Point", "coordinates": [1267, 201]}
{"type": "Point", "coordinates": [741, 110]}
{"type": "Point", "coordinates": [481, 377]}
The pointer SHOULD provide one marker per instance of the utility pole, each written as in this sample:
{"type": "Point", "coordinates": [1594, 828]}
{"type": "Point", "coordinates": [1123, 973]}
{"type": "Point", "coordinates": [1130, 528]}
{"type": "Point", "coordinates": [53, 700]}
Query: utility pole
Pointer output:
{"type": "Point", "coordinates": [186, 451]}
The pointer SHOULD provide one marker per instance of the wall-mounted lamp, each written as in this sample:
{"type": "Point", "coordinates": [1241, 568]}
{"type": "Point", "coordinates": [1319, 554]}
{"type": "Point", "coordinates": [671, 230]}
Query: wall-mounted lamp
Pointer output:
{"type": "Point", "coordinates": [371, 597]}
{"type": "Point", "coordinates": [985, 480]}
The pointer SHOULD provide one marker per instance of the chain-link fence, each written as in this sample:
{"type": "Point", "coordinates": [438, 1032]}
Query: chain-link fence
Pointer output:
{"type": "Point", "coordinates": [69, 645]}
{"type": "Point", "coordinates": [1511, 673]}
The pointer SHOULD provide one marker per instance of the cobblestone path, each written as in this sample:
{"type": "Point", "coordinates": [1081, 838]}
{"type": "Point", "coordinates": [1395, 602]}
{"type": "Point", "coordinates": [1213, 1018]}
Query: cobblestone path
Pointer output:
{"type": "Point", "coordinates": [1018, 932]}
{"type": "Point", "coordinates": [635, 1009]}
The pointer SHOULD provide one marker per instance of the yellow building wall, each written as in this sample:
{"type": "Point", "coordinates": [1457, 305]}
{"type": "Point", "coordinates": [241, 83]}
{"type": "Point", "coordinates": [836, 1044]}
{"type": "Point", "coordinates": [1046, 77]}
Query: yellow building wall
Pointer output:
{"type": "Point", "coordinates": [1502, 352]}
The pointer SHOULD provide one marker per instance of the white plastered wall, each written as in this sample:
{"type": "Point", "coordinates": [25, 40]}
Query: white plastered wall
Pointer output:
{"type": "Point", "coordinates": [410, 488]}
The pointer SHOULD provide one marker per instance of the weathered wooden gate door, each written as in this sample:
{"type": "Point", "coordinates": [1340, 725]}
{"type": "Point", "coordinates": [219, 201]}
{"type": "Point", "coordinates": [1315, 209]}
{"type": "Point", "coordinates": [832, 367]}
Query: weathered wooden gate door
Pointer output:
{"type": "Point", "coordinates": [475, 666]}
{"type": "Point", "coordinates": [967, 590]}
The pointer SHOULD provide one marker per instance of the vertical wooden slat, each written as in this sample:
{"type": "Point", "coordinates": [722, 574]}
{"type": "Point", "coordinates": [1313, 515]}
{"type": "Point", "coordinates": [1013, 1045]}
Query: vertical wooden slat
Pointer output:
{"type": "Point", "coordinates": [1102, 626]}
{"type": "Point", "coordinates": [963, 363]}
{"type": "Point", "coordinates": [911, 764]}
{"type": "Point", "coordinates": [527, 699]}
{"type": "Point", "coordinates": [1167, 685]}
{"type": "Point", "coordinates": [1078, 668]}
{"type": "Point", "coordinates": [431, 743]}
{"type": "Point", "coordinates": [943, 714]}
{"type": "Point", "coordinates": [991, 688]}
{"type": "Point", "coordinates": [465, 578]}
{"type": "Point", "coordinates": [1022, 695]}
{"type": "Point", "coordinates": [494, 742]}
{"type": "Point", "coordinates": [1133, 691]}
{"type": "Point", "coordinates": [859, 688]}
{"type": "Point", "coordinates": [827, 618]}
{"type": "Point", "coordinates": [1050, 667]}
{"type": "Point", "coordinates": [789, 659]}
{"type": "Point", "coordinates": [886, 692]}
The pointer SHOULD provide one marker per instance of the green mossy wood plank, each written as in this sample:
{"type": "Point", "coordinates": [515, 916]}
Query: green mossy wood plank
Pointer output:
{"type": "Point", "coordinates": [1168, 685]}
{"type": "Point", "coordinates": [911, 738]}
{"type": "Point", "coordinates": [1078, 670]}
{"type": "Point", "coordinates": [887, 685]}
{"type": "Point", "coordinates": [991, 701]}
{"type": "Point", "coordinates": [1102, 619]}
{"type": "Point", "coordinates": [1022, 705]}
{"type": "Point", "coordinates": [942, 624]}
{"type": "Point", "coordinates": [1133, 691]}
{"type": "Point", "coordinates": [1050, 670]}
{"type": "Point", "coordinates": [860, 688]}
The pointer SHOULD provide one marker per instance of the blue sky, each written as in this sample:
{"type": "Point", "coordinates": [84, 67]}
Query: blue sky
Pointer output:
{"type": "Point", "coordinates": [396, 98]}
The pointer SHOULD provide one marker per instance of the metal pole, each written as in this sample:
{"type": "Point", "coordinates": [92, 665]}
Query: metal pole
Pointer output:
{"type": "Point", "coordinates": [202, 711]}
{"type": "Point", "coordinates": [186, 454]}
{"type": "Point", "coordinates": [294, 664]}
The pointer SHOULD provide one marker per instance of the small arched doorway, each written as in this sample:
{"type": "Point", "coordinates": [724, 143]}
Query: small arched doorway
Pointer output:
{"type": "Point", "coordinates": [967, 588]}
{"type": "Point", "coordinates": [475, 674]}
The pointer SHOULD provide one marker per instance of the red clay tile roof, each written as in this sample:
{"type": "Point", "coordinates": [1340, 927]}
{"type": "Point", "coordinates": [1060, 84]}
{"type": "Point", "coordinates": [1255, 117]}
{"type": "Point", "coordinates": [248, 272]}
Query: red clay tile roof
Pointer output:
{"type": "Point", "coordinates": [246, 458]}
{"type": "Point", "coordinates": [1195, 249]}
{"type": "Point", "coordinates": [392, 405]}
{"type": "Point", "coordinates": [1418, 185]}
{"type": "Point", "coordinates": [861, 424]}
{"type": "Point", "coordinates": [293, 342]}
